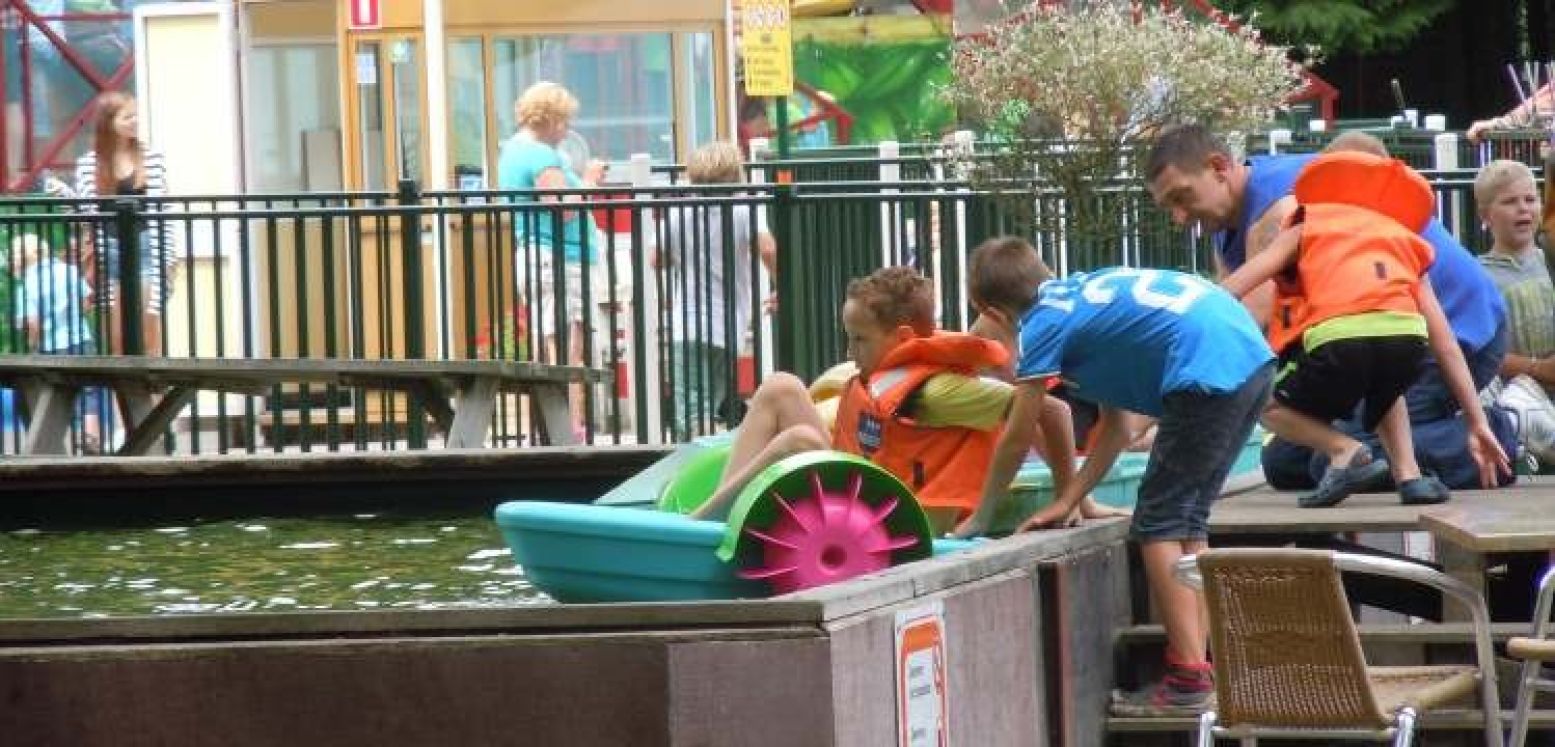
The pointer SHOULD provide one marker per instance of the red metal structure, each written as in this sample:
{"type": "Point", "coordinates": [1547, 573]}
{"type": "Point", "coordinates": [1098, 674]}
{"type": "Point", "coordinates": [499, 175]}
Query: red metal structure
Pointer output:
{"type": "Point", "coordinates": [23, 28]}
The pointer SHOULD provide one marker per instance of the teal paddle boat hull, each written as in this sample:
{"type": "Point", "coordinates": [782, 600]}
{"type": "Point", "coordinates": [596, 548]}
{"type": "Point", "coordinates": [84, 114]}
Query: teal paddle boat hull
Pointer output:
{"type": "Point", "coordinates": [580, 553]}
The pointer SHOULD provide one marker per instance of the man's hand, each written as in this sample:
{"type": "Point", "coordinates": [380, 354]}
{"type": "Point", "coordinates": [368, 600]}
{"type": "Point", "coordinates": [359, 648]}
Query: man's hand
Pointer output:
{"type": "Point", "coordinates": [593, 172]}
{"type": "Point", "coordinates": [1478, 129]}
{"type": "Point", "coordinates": [1487, 453]}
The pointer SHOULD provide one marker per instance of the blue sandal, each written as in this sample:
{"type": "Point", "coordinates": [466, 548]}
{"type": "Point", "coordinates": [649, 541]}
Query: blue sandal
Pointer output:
{"type": "Point", "coordinates": [1339, 482]}
{"type": "Point", "coordinates": [1423, 491]}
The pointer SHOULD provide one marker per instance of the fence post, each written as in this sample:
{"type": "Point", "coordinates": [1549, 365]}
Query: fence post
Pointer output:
{"type": "Point", "coordinates": [415, 332]}
{"type": "Point", "coordinates": [647, 378]}
{"type": "Point", "coordinates": [1445, 158]}
{"type": "Point", "coordinates": [766, 356]}
{"type": "Point", "coordinates": [789, 315]}
{"type": "Point", "coordinates": [889, 152]}
{"type": "Point", "coordinates": [964, 145]}
{"type": "Point", "coordinates": [1279, 138]}
{"type": "Point", "coordinates": [126, 232]}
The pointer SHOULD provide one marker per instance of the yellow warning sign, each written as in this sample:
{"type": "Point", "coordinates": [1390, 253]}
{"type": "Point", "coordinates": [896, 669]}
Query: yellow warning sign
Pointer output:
{"type": "Point", "coordinates": [766, 47]}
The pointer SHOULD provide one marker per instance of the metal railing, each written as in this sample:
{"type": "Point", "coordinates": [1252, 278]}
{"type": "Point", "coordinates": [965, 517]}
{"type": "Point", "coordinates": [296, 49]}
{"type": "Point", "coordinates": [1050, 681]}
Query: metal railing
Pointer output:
{"type": "Point", "coordinates": [663, 285]}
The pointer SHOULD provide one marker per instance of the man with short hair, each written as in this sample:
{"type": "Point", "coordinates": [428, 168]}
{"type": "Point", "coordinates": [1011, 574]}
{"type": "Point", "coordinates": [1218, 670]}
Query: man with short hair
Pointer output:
{"type": "Point", "coordinates": [1193, 176]}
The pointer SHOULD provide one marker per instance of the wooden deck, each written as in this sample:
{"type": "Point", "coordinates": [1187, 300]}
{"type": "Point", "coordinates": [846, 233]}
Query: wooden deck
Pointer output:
{"type": "Point", "coordinates": [1474, 524]}
{"type": "Point", "coordinates": [1262, 510]}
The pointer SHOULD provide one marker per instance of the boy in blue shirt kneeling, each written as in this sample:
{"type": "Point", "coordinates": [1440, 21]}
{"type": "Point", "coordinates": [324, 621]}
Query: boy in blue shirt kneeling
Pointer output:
{"type": "Point", "coordinates": [1165, 344]}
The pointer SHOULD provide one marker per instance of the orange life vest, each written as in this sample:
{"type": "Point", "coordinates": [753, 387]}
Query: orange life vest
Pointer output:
{"type": "Point", "coordinates": [1361, 250]}
{"type": "Point", "coordinates": [945, 467]}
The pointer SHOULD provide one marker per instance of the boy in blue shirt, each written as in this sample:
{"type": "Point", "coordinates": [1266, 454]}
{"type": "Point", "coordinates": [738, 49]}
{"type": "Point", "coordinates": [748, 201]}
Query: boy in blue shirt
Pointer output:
{"type": "Point", "coordinates": [1157, 342]}
{"type": "Point", "coordinates": [51, 302]}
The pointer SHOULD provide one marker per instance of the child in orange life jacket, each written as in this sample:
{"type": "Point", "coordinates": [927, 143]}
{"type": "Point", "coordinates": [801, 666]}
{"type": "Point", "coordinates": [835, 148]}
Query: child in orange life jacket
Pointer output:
{"type": "Point", "coordinates": [894, 410]}
{"type": "Point", "coordinates": [1352, 316]}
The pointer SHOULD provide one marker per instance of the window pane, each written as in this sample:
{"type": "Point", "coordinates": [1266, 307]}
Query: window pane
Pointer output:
{"type": "Point", "coordinates": [700, 89]}
{"type": "Point", "coordinates": [369, 101]}
{"type": "Point", "coordinates": [404, 58]}
{"type": "Point", "coordinates": [467, 110]}
{"type": "Point", "coordinates": [622, 82]}
{"type": "Point", "coordinates": [294, 117]}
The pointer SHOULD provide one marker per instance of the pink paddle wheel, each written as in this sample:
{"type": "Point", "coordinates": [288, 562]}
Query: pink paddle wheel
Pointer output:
{"type": "Point", "coordinates": [834, 533]}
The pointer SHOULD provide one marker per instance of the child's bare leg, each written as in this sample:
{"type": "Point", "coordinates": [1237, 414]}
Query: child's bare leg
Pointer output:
{"type": "Point", "coordinates": [1142, 428]}
{"type": "Point", "coordinates": [1179, 605]}
{"type": "Point", "coordinates": [942, 519]}
{"type": "Point", "coordinates": [1398, 442]}
{"type": "Point", "coordinates": [781, 421]}
{"type": "Point", "coordinates": [1310, 432]}
{"type": "Point", "coordinates": [1090, 509]}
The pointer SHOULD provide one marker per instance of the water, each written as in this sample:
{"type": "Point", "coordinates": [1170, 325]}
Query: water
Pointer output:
{"type": "Point", "coordinates": [350, 562]}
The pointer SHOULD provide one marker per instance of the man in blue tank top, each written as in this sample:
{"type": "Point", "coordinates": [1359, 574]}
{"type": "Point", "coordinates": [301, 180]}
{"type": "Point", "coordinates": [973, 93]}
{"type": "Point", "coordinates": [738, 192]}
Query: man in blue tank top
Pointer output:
{"type": "Point", "coordinates": [1166, 344]}
{"type": "Point", "coordinates": [1193, 176]}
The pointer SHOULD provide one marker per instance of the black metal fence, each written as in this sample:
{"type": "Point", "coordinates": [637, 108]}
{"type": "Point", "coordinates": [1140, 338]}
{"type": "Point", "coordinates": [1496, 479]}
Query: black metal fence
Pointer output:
{"type": "Point", "coordinates": [664, 285]}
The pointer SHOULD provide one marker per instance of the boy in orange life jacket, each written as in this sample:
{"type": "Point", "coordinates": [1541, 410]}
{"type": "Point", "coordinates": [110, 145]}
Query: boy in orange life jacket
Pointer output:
{"type": "Point", "coordinates": [1352, 314]}
{"type": "Point", "coordinates": [883, 413]}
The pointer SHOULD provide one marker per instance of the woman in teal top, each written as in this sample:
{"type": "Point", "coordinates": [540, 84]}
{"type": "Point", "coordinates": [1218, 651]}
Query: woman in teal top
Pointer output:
{"type": "Point", "coordinates": [530, 160]}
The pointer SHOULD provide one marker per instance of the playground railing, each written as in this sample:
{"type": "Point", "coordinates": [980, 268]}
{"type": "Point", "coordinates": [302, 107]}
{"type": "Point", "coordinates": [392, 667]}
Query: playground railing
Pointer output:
{"type": "Point", "coordinates": [672, 300]}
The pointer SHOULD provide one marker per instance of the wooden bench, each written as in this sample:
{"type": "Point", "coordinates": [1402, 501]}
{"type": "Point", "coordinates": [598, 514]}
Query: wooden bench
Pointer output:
{"type": "Point", "coordinates": [459, 394]}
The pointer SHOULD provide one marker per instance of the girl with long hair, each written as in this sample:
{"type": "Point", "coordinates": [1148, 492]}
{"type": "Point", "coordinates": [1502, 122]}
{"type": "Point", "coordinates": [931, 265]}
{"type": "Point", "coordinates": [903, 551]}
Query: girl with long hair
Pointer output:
{"type": "Point", "coordinates": [120, 165]}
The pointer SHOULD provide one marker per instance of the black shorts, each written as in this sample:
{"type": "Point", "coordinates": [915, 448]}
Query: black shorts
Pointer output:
{"type": "Point", "coordinates": [1328, 383]}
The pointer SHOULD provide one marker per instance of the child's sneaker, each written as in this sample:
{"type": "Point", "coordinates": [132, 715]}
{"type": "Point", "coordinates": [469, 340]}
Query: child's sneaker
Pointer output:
{"type": "Point", "coordinates": [1423, 491]}
{"type": "Point", "coordinates": [1185, 690]}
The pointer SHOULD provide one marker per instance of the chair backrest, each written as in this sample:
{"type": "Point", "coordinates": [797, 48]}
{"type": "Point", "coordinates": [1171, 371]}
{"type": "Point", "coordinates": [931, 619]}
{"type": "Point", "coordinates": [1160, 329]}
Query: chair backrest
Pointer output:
{"type": "Point", "coordinates": [1283, 641]}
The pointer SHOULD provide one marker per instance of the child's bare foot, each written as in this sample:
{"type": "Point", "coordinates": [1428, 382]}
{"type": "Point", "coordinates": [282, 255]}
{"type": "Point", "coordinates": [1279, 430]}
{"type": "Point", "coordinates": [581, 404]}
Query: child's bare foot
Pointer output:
{"type": "Point", "coordinates": [1090, 509]}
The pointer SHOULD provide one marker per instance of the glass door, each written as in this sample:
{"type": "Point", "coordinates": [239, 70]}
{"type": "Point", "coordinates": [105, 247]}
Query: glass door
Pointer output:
{"type": "Point", "coordinates": [387, 111]}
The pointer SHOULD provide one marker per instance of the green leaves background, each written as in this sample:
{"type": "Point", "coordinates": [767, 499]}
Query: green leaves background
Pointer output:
{"type": "Point", "coordinates": [890, 87]}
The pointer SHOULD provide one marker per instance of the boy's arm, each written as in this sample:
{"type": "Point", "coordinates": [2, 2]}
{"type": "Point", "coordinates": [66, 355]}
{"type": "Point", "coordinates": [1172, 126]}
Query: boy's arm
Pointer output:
{"type": "Point", "coordinates": [1260, 300]}
{"type": "Point", "coordinates": [1261, 268]}
{"type": "Point", "coordinates": [1483, 446]}
{"type": "Point", "coordinates": [1029, 411]}
{"type": "Point", "coordinates": [766, 248]}
{"type": "Point", "coordinates": [1112, 436]}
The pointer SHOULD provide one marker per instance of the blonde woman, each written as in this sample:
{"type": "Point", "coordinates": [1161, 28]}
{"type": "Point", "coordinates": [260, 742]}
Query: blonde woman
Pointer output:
{"type": "Point", "coordinates": [707, 254]}
{"type": "Point", "coordinates": [530, 160]}
{"type": "Point", "coordinates": [120, 165]}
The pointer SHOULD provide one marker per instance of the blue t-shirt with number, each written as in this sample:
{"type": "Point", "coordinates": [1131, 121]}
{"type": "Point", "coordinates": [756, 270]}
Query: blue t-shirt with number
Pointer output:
{"type": "Point", "coordinates": [1126, 337]}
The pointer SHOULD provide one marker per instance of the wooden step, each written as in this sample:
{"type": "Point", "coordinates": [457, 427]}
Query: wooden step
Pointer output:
{"type": "Point", "coordinates": [1456, 719]}
{"type": "Point", "coordinates": [1420, 633]}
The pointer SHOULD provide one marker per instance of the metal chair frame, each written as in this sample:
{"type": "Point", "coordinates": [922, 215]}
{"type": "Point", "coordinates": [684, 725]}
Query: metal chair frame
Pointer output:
{"type": "Point", "coordinates": [1402, 730]}
{"type": "Point", "coordinates": [1530, 681]}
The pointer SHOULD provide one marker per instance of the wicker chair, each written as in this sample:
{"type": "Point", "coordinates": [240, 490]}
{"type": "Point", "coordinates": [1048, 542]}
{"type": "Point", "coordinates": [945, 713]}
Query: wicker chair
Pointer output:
{"type": "Point", "coordinates": [1535, 651]}
{"type": "Point", "coordinates": [1288, 661]}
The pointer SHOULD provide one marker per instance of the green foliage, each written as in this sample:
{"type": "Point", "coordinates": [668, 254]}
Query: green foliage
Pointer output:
{"type": "Point", "coordinates": [890, 88]}
{"type": "Point", "coordinates": [1340, 25]}
{"type": "Point", "coordinates": [1071, 96]}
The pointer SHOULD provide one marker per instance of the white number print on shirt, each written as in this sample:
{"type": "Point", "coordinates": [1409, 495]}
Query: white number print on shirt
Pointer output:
{"type": "Point", "coordinates": [1174, 292]}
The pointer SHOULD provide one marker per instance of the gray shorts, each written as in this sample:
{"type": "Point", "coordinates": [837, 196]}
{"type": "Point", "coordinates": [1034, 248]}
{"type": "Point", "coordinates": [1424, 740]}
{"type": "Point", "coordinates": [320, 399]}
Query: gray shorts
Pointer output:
{"type": "Point", "coordinates": [1197, 440]}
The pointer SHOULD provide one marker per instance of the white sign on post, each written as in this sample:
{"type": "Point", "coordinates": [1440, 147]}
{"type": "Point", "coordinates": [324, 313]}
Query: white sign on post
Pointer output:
{"type": "Point", "coordinates": [922, 692]}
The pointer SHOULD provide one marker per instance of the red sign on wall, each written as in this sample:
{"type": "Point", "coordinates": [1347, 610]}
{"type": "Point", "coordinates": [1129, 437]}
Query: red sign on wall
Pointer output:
{"type": "Point", "coordinates": [365, 14]}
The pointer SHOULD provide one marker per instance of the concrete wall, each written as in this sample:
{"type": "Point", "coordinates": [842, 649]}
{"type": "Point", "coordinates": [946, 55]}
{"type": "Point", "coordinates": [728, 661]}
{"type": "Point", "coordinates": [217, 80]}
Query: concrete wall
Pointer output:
{"type": "Point", "coordinates": [1028, 651]}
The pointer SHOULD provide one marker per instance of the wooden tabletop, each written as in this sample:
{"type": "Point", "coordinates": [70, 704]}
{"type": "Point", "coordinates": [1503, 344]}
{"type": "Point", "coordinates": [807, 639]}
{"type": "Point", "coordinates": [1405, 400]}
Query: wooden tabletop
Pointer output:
{"type": "Point", "coordinates": [158, 369]}
{"type": "Point", "coordinates": [1513, 516]}
{"type": "Point", "coordinates": [1519, 519]}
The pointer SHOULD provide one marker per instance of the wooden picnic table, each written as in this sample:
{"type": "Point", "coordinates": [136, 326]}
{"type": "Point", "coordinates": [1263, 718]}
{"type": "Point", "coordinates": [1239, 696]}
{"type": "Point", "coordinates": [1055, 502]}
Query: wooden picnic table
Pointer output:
{"type": "Point", "coordinates": [1274, 512]}
{"type": "Point", "coordinates": [1467, 530]}
{"type": "Point", "coordinates": [459, 394]}
{"type": "Point", "coordinates": [1468, 534]}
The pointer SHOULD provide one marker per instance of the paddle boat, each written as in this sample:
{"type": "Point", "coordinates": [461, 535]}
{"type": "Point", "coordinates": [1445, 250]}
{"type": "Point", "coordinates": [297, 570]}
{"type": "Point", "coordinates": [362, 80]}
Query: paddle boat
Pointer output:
{"type": "Point", "coordinates": [808, 520]}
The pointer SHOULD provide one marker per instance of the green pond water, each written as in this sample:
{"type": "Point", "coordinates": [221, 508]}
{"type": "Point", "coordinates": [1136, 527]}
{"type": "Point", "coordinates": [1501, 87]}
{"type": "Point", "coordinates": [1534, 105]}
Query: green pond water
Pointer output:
{"type": "Point", "coordinates": [349, 562]}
